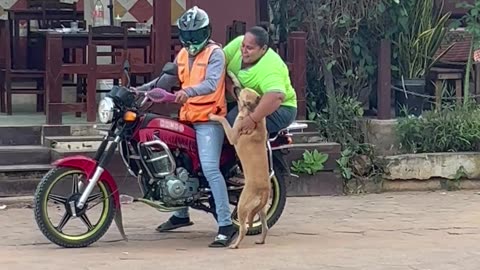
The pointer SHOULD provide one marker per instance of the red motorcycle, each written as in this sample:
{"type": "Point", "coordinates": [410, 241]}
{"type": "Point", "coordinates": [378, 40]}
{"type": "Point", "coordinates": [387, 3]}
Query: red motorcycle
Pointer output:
{"type": "Point", "coordinates": [161, 153]}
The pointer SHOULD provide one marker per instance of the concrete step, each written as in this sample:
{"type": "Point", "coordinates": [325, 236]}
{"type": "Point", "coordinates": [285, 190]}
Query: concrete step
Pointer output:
{"type": "Point", "coordinates": [332, 149]}
{"type": "Point", "coordinates": [21, 172]}
{"type": "Point", "coordinates": [73, 142]}
{"type": "Point", "coordinates": [21, 180]}
{"type": "Point", "coordinates": [24, 155]}
{"type": "Point", "coordinates": [20, 135]}
{"type": "Point", "coordinates": [320, 184]}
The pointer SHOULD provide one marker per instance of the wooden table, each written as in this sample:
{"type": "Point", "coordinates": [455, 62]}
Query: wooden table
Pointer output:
{"type": "Point", "coordinates": [55, 69]}
{"type": "Point", "coordinates": [15, 16]}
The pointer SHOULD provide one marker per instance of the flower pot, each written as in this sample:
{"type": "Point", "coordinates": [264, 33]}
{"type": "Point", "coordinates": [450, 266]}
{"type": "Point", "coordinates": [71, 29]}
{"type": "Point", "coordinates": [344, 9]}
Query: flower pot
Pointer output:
{"type": "Point", "coordinates": [415, 104]}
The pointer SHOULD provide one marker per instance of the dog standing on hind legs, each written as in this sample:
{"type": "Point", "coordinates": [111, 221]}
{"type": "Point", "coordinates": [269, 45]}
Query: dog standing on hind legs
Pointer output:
{"type": "Point", "coordinates": [252, 151]}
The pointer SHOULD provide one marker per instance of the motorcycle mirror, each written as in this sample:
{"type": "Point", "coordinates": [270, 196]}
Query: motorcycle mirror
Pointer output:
{"type": "Point", "coordinates": [170, 69]}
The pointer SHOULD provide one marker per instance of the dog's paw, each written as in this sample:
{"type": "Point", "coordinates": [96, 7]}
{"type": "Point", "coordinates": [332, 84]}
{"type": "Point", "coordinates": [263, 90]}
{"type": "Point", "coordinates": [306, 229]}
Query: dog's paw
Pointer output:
{"type": "Point", "coordinates": [213, 117]}
{"type": "Point", "coordinates": [233, 246]}
{"type": "Point", "coordinates": [260, 242]}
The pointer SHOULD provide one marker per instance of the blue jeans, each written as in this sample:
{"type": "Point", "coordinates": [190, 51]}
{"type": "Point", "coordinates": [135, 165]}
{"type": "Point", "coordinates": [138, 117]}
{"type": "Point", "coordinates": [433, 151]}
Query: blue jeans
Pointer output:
{"type": "Point", "coordinates": [278, 120]}
{"type": "Point", "coordinates": [210, 138]}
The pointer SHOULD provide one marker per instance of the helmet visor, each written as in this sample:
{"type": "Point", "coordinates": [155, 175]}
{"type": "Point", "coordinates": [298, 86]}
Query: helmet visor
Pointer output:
{"type": "Point", "coordinates": [196, 37]}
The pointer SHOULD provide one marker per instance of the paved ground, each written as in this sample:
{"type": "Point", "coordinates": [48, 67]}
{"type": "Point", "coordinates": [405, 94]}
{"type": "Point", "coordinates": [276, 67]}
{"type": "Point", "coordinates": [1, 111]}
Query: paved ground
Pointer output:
{"type": "Point", "coordinates": [402, 231]}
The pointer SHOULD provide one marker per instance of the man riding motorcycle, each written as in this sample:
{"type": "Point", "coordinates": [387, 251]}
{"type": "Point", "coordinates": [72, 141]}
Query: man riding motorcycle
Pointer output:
{"type": "Point", "coordinates": [201, 77]}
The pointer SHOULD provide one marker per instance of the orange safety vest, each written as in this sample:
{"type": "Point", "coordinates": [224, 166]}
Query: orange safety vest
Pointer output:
{"type": "Point", "coordinates": [197, 108]}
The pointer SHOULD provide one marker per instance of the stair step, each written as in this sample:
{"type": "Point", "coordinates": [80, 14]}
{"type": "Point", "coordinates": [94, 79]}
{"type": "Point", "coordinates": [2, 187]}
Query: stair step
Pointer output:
{"type": "Point", "coordinates": [11, 188]}
{"type": "Point", "coordinates": [73, 142]}
{"type": "Point", "coordinates": [19, 180]}
{"type": "Point", "coordinates": [333, 150]}
{"type": "Point", "coordinates": [24, 168]}
{"type": "Point", "coordinates": [24, 154]}
{"type": "Point", "coordinates": [73, 138]}
{"type": "Point", "coordinates": [21, 172]}
{"type": "Point", "coordinates": [21, 135]}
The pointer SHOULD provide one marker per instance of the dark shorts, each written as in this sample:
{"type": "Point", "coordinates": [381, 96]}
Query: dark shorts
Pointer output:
{"type": "Point", "coordinates": [278, 120]}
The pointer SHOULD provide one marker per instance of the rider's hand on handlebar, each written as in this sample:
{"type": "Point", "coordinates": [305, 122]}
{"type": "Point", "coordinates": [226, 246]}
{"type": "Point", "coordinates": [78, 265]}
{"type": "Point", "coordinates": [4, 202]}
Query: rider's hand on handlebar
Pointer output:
{"type": "Point", "coordinates": [181, 96]}
{"type": "Point", "coordinates": [133, 89]}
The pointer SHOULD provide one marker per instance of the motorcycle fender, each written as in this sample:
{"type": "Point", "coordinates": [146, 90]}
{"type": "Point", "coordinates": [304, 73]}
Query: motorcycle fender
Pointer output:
{"type": "Point", "coordinates": [280, 162]}
{"type": "Point", "coordinates": [88, 166]}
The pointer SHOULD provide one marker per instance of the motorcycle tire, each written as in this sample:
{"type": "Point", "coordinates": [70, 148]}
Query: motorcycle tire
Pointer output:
{"type": "Point", "coordinates": [49, 230]}
{"type": "Point", "coordinates": [276, 209]}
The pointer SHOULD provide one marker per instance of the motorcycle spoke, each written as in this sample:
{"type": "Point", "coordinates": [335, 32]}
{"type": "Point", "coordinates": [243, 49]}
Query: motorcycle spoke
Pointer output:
{"type": "Point", "coordinates": [93, 197]}
{"type": "Point", "coordinates": [57, 198]}
{"type": "Point", "coordinates": [75, 184]}
{"type": "Point", "coordinates": [66, 217]}
{"type": "Point", "coordinates": [86, 221]}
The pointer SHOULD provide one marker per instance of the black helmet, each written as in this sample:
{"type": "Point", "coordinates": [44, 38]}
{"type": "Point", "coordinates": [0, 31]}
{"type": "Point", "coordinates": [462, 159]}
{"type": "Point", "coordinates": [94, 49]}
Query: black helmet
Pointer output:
{"type": "Point", "coordinates": [195, 29]}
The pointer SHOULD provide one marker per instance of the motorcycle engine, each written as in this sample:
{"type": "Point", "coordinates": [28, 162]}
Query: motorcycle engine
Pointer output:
{"type": "Point", "coordinates": [178, 189]}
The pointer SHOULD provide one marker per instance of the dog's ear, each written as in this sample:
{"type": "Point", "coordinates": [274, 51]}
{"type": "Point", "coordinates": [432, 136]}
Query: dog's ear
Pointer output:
{"type": "Point", "coordinates": [251, 105]}
{"type": "Point", "coordinates": [237, 91]}
{"type": "Point", "coordinates": [257, 100]}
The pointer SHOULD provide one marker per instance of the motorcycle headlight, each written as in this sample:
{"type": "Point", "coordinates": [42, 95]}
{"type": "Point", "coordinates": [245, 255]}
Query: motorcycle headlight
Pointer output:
{"type": "Point", "coordinates": [106, 110]}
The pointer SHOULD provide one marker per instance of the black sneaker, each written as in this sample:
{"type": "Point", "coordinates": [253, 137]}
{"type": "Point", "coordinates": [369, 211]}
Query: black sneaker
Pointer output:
{"type": "Point", "coordinates": [174, 223]}
{"type": "Point", "coordinates": [224, 237]}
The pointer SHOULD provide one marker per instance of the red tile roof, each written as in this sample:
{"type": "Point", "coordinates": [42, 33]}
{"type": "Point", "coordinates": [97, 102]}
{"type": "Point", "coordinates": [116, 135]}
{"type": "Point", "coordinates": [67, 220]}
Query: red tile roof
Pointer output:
{"type": "Point", "coordinates": [458, 53]}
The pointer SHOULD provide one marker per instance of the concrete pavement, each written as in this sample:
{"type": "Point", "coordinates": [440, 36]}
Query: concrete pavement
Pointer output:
{"type": "Point", "coordinates": [399, 231]}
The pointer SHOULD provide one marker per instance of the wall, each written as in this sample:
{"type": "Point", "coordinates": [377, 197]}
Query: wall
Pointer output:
{"type": "Point", "coordinates": [137, 10]}
{"type": "Point", "coordinates": [130, 10]}
{"type": "Point", "coordinates": [223, 13]}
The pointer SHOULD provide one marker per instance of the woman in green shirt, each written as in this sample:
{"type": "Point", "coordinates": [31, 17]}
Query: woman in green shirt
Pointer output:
{"type": "Point", "coordinates": [260, 68]}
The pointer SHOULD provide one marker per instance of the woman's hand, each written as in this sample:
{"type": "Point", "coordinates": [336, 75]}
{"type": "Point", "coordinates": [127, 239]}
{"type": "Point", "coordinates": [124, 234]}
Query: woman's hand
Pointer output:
{"type": "Point", "coordinates": [181, 97]}
{"type": "Point", "coordinates": [247, 125]}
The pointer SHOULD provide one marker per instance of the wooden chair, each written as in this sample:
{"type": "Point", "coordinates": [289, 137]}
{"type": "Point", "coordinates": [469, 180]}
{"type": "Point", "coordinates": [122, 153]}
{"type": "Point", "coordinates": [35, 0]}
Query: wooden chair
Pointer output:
{"type": "Point", "coordinates": [111, 36]}
{"type": "Point", "coordinates": [142, 67]}
{"type": "Point", "coordinates": [9, 74]}
{"type": "Point", "coordinates": [45, 5]}
{"type": "Point", "coordinates": [440, 75]}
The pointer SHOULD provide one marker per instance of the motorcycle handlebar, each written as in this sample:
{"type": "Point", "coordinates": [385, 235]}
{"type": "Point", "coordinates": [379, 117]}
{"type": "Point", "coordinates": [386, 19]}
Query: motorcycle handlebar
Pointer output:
{"type": "Point", "coordinates": [156, 95]}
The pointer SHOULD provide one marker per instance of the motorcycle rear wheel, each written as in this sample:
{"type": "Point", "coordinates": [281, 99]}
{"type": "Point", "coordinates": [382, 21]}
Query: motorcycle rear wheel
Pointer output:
{"type": "Point", "coordinates": [52, 232]}
{"type": "Point", "coordinates": [279, 198]}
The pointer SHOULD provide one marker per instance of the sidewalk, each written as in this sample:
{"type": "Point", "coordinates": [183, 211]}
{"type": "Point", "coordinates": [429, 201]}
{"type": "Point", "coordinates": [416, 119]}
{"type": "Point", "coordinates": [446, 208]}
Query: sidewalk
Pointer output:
{"type": "Point", "coordinates": [399, 231]}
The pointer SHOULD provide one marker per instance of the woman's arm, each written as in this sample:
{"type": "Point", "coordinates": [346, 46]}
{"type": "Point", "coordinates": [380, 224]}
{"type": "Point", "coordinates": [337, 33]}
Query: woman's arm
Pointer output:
{"type": "Point", "coordinates": [269, 103]}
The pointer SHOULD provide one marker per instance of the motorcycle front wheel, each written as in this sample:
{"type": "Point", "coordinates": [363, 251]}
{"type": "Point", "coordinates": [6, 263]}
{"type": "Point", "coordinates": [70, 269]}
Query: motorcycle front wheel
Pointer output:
{"type": "Point", "coordinates": [278, 198]}
{"type": "Point", "coordinates": [48, 204]}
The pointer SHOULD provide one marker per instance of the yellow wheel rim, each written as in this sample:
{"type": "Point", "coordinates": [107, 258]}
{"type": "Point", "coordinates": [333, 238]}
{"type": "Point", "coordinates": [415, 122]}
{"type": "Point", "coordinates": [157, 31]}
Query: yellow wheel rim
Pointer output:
{"type": "Point", "coordinates": [272, 208]}
{"type": "Point", "coordinates": [76, 238]}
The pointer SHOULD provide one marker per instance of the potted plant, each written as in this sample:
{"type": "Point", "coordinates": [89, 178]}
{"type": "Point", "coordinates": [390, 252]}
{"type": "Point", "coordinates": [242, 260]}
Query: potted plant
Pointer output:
{"type": "Point", "coordinates": [422, 29]}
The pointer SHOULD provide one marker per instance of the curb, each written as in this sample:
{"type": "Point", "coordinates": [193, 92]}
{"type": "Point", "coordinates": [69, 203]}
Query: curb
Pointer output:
{"type": "Point", "coordinates": [16, 202]}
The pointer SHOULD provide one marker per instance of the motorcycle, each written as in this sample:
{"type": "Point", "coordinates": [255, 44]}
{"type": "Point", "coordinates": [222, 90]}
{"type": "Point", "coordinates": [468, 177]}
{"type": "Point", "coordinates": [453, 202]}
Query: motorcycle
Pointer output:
{"type": "Point", "coordinates": [161, 153]}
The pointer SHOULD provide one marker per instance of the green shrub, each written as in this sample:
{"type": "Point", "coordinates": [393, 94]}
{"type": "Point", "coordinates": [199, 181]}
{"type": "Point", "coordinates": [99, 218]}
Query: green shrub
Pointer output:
{"type": "Point", "coordinates": [311, 163]}
{"type": "Point", "coordinates": [446, 130]}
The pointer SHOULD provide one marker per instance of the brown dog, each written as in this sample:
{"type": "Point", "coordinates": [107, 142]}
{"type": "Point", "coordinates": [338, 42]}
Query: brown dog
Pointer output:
{"type": "Point", "coordinates": [252, 151]}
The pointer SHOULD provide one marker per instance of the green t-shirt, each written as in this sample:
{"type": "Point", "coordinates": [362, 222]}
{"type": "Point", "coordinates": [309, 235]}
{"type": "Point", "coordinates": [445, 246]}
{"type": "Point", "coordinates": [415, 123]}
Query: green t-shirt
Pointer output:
{"type": "Point", "coordinates": [269, 74]}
